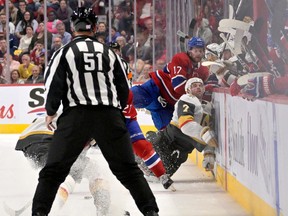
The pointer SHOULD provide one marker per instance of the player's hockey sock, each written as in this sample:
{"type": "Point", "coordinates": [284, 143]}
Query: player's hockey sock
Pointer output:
{"type": "Point", "coordinates": [144, 150]}
{"type": "Point", "coordinates": [99, 189]}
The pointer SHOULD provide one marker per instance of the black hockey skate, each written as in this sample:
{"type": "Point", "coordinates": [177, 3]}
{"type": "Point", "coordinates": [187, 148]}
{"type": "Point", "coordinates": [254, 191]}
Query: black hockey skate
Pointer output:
{"type": "Point", "coordinates": [39, 214]}
{"type": "Point", "coordinates": [167, 182]}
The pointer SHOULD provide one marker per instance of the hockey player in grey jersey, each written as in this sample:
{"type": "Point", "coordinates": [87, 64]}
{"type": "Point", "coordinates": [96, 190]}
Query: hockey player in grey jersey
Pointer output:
{"type": "Point", "coordinates": [188, 129]}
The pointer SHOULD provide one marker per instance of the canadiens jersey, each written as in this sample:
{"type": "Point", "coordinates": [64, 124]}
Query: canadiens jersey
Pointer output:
{"type": "Point", "coordinates": [181, 68]}
{"type": "Point", "coordinates": [130, 111]}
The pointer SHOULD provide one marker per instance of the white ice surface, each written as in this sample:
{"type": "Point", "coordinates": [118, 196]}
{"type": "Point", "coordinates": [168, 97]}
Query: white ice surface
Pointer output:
{"type": "Point", "coordinates": [196, 194]}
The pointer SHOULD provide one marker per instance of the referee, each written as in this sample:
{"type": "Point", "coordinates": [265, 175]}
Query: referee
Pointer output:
{"type": "Point", "coordinates": [89, 80]}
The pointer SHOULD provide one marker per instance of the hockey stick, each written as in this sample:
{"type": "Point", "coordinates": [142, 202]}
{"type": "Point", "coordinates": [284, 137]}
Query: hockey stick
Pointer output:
{"type": "Point", "coordinates": [192, 27]}
{"type": "Point", "coordinates": [184, 36]}
{"type": "Point", "coordinates": [242, 30]}
{"type": "Point", "coordinates": [232, 15]}
{"type": "Point", "coordinates": [243, 64]}
{"type": "Point", "coordinates": [243, 80]}
{"type": "Point", "coordinates": [18, 212]}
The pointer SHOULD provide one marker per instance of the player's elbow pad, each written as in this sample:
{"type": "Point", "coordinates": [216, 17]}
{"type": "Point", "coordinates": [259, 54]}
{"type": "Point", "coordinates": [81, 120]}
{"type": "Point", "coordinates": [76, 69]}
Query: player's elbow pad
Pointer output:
{"type": "Point", "coordinates": [192, 129]}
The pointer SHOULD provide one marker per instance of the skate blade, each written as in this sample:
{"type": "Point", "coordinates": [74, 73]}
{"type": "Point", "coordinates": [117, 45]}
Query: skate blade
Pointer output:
{"type": "Point", "coordinates": [172, 188]}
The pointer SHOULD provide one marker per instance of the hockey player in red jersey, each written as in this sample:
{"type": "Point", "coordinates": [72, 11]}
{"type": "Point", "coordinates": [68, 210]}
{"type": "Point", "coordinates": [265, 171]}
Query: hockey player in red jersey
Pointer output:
{"type": "Point", "coordinates": [161, 92]}
{"type": "Point", "coordinates": [141, 147]}
{"type": "Point", "coordinates": [144, 149]}
{"type": "Point", "coordinates": [184, 66]}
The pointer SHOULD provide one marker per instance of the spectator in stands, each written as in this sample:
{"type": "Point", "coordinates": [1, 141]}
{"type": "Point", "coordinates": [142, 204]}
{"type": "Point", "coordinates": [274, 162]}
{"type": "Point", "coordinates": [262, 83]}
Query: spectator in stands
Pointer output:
{"type": "Point", "coordinates": [160, 64]}
{"type": "Point", "coordinates": [64, 13]}
{"type": "Point", "coordinates": [160, 44]}
{"type": "Point", "coordinates": [30, 5]}
{"type": "Point", "coordinates": [36, 77]}
{"type": "Point", "coordinates": [101, 37]}
{"type": "Point", "coordinates": [52, 22]}
{"type": "Point", "coordinates": [127, 4]}
{"type": "Point", "coordinates": [15, 77]}
{"type": "Point", "coordinates": [3, 48]}
{"type": "Point", "coordinates": [21, 11]}
{"type": "Point", "coordinates": [39, 14]}
{"type": "Point", "coordinates": [114, 35]}
{"type": "Point", "coordinates": [13, 11]}
{"type": "Point", "coordinates": [35, 53]}
{"type": "Point", "coordinates": [25, 68]}
{"type": "Point", "coordinates": [204, 31]}
{"type": "Point", "coordinates": [102, 29]}
{"type": "Point", "coordinates": [61, 32]}
{"type": "Point", "coordinates": [54, 5]}
{"type": "Point", "coordinates": [206, 13]}
{"type": "Point", "coordinates": [13, 64]}
{"type": "Point", "coordinates": [99, 8]}
{"type": "Point", "coordinates": [142, 52]}
{"type": "Point", "coordinates": [57, 43]}
{"type": "Point", "coordinates": [13, 44]}
{"type": "Point", "coordinates": [217, 10]}
{"type": "Point", "coordinates": [3, 24]}
{"type": "Point", "coordinates": [39, 36]}
{"type": "Point", "coordinates": [125, 21]}
{"type": "Point", "coordinates": [26, 39]}
{"type": "Point", "coordinates": [148, 32]}
{"type": "Point", "coordinates": [124, 46]}
{"type": "Point", "coordinates": [2, 77]}
{"type": "Point", "coordinates": [144, 76]}
{"type": "Point", "coordinates": [28, 20]}
{"type": "Point", "coordinates": [136, 67]}
{"type": "Point", "coordinates": [42, 63]}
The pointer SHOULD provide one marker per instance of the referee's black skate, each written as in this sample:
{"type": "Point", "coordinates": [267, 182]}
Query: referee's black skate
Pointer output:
{"type": "Point", "coordinates": [126, 213]}
{"type": "Point", "coordinates": [39, 214]}
{"type": "Point", "coordinates": [151, 213]}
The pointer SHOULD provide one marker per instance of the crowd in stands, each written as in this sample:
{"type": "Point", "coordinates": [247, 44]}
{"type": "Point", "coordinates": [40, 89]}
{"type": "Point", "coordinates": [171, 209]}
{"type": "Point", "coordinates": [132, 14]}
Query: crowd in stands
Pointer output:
{"type": "Point", "coordinates": [27, 42]}
{"type": "Point", "coordinates": [141, 47]}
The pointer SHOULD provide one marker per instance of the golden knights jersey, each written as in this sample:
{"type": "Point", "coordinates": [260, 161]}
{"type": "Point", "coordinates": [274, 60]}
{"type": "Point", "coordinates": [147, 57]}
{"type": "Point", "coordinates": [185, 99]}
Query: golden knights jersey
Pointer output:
{"type": "Point", "coordinates": [36, 132]}
{"type": "Point", "coordinates": [188, 115]}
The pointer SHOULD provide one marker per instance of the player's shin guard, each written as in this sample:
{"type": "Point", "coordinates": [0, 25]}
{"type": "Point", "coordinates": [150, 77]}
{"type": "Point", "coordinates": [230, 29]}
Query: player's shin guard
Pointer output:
{"type": "Point", "coordinates": [99, 189]}
{"type": "Point", "coordinates": [144, 150]}
{"type": "Point", "coordinates": [63, 192]}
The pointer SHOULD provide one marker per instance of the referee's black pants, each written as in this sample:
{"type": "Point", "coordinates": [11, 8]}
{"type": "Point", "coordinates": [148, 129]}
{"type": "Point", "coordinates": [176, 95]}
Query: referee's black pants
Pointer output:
{"type": "Point", "coordinates": [107, 126]}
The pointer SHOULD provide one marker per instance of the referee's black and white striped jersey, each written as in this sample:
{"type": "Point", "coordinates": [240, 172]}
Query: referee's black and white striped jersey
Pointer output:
{"type": "Point", "coordinates": [85, 72]}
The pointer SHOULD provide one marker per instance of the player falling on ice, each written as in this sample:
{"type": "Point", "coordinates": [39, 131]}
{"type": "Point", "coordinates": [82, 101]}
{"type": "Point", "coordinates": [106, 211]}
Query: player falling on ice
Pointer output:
{"type": "Point", "coordinates": [35, 141]}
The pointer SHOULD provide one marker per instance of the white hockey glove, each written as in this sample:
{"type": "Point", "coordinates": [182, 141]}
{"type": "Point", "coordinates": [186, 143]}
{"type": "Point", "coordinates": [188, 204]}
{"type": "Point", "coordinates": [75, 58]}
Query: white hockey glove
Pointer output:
{"type": "Point", "coordinates": [208, 162]}
{"type": "Point", "coordinates": [209, 158]}
{"type": "Point", "coordinates": [208, 136]}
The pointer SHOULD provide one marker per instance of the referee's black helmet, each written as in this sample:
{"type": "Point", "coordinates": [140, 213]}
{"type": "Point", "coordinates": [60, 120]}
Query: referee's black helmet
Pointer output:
{"type": "Point", "coordinates": [84, 19]}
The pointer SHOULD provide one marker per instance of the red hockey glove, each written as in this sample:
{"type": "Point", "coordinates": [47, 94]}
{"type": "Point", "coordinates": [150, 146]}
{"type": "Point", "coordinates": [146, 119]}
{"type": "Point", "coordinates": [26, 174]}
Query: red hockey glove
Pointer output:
{"type": "Point", "coordinates": [235, 88]}
{"type": "Point", "coordinates": [259, 87]}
